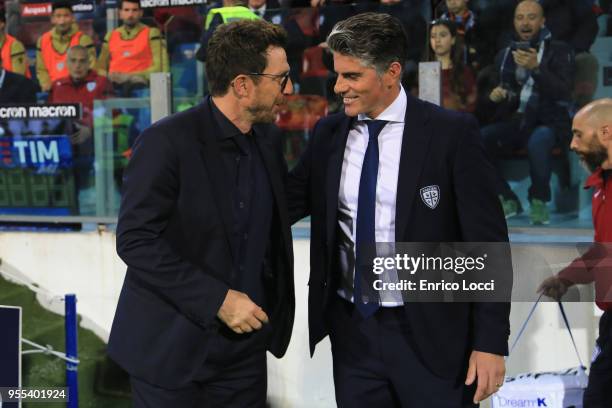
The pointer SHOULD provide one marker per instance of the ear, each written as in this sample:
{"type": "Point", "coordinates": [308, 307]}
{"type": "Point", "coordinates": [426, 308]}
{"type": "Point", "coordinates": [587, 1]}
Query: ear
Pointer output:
{"type": "Point", "coordinates": [240, 86]}
{"type": "Point", "coordinates": [395, 70]}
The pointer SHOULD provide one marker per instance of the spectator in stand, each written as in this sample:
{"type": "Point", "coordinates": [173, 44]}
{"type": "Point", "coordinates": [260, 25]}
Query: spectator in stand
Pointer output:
{"type": "Point", "coordinates": [575, 23]}
{"type": "Point", "coordinates": [231, 10]}
{"type": "Point", "coordinates": [14, 58]}
{"type": "Point", "coordinates": [15, 88]}
{"type": "Point", "coordinates": [83, 85]}
{"type": "Point", "coordinates": [132, 52]}
{"type": "Point", "coordinates": [265, 9]}
{"type": "Point", "coordinates": [459, 13]}
{"type": "Point", "coordinates": [530, 105]}
{"type": "Point", "coordinates": [458, 82]}
{"type": "Point", "coordinates": [53, 45]}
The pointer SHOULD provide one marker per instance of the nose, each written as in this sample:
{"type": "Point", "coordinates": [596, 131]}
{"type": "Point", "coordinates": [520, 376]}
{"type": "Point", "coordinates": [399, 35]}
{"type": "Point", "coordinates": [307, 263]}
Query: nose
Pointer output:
{"type": "Point", "coordinates": [288, 88]}
{"type": "Point", "coordinates": [340, 86]}
{"type": "Point", "coordinates": [574, 144]}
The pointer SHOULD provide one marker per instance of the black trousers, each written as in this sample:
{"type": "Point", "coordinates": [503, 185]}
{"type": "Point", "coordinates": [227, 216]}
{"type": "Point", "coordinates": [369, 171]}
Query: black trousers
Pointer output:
{"type": "Point", "coordinates": [599, 391]}
{"type": "Point", "coordinates": [233, 376]}
{"type": "Point", "coordinates": [242, 384]}
{"type": "Point", "coordinates": [375, 364]}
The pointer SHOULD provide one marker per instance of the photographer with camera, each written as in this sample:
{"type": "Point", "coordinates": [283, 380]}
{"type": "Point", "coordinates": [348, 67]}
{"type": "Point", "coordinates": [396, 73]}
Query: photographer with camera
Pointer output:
{"type": "Point", "coordinates": [529, 105]}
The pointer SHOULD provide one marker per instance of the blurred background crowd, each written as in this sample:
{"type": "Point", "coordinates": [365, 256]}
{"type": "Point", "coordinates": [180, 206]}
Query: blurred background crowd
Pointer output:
{"type": "Point", "coordinates": [522, 69]}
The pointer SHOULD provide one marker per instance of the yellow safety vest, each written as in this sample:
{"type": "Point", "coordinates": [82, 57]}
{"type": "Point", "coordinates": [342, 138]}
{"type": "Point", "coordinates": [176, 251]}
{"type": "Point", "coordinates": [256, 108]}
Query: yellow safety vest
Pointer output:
{"type": "Point", "coordinates": [229, 14]}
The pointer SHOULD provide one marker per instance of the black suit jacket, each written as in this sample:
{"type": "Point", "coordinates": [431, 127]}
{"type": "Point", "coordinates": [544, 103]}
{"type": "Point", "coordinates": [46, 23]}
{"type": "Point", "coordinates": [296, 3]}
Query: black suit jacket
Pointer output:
{"type": "Point", "coordinates": [441, 148]}
{"type": "Point", "coordinates": [173, 233]}
{"type": "Point", "coordinates": [17, 89]}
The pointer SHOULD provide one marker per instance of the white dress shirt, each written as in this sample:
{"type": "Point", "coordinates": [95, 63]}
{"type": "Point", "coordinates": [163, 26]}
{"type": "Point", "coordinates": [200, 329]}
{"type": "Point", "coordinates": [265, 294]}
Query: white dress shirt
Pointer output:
{"type": "Point", "coordinates": [390, 147]}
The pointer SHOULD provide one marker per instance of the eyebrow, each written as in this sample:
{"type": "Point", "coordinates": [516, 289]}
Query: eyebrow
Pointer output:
{"type": "Point", "coordinates": [350, 73]}
{"type": "Point", "coordinates": [526, 15]}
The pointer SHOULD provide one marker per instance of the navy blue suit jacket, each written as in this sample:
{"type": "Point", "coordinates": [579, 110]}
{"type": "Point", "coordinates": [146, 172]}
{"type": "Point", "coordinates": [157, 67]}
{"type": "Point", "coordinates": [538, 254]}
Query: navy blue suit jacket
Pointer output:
{"type": "Point", "coordinates": [441, 148]}
{"type": "Point", "coordinates": [174, 235]}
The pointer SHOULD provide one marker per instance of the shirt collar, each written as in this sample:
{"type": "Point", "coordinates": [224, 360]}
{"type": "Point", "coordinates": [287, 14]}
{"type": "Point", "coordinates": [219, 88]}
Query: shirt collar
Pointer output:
{"type": "Point", "coordinates": [261, 11]}
{"type": "Point", "coordinates": [131, 32]}
{"type": "Point", "coordinates": [595, 179]}
{"type": "Point", "coordinates": [74, 28]}
{"type": "Point", "coordinates": [228, 129]}
{"type": "Point", "coordinates": [90, 77]}
{"type": "Point", "coordinates": [395, 112]}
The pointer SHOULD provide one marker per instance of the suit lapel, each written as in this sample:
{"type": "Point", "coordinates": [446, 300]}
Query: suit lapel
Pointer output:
{"type": "Point", "coordinates": [217, 176]}
{"type": "Point", "coordinates": [334, 171]}
{"type": "Point", "coordinates": [263, 141]}
{"type": "Point", "coordinates": [415, 145]}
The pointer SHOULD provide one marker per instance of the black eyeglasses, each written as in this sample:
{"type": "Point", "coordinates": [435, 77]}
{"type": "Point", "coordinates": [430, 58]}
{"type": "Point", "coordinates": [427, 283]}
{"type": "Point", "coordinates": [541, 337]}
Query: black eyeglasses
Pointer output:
{"type": "Point", "coordinates": [284, 80]}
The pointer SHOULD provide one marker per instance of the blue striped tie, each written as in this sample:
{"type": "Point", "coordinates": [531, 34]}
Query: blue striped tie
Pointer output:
{"type": "Point", "coordinates": [365, 239]}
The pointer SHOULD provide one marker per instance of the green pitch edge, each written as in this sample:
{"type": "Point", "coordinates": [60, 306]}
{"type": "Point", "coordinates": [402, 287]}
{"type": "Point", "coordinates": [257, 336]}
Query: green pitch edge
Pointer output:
{"type": "Point", "coordinates": [101, 383]}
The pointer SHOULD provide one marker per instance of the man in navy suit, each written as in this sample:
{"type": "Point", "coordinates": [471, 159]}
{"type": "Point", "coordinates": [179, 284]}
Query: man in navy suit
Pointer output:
{"type": "Point", "coordinates": [204, 230]}
{"type": "Point", "coordinates": [391, 168]}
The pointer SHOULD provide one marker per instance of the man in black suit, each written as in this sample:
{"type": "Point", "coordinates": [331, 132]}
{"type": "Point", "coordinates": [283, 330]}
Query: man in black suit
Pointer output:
{"type": "Point", "coordinates": [203, 228]}
{"type": "Point", "coordinates": [360, 188]}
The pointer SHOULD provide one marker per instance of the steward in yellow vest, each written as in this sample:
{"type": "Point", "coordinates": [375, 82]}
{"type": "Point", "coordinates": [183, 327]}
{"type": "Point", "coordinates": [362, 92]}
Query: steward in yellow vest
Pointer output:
{"type": "Point", "coordinates": [232, 10]}
{"type": "Point", "coordinates": [52, 47]}
{"type": "Point", "coordinates": [133, 51]}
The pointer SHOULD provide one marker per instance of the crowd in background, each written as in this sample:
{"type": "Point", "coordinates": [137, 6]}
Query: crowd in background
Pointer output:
{"type": "Point", "coordinates": [521, 70]}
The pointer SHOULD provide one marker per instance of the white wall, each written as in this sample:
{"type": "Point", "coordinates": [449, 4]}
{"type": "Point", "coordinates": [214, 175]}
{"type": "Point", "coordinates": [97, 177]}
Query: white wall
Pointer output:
{"type": "Point", "coordinates": [87, 264]}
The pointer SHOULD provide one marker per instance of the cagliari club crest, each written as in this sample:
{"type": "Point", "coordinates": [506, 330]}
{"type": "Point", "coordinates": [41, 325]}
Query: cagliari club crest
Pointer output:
{"type": "Point", "coordinates": [430, 196]}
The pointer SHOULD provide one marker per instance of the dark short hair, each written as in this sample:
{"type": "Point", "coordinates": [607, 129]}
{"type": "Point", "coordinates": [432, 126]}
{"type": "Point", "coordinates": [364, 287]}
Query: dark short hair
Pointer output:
{"type": "Point", "coordinates": [61, 5]}
{"type": "Point", "coordinates": [240, 48]}
{"type": "Point", "coordinates": [128, 1]}
{"type": "Point", "coordinates": [451, 25]}
{"type": "Point", "coordinates": [377, 39]}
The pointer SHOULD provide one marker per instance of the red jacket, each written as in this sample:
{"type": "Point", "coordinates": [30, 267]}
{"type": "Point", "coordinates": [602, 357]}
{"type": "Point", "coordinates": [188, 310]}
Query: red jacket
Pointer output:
{"type": "Point", "coordinates": [596, 264]}
{"type": "Point", "coordinates": [94, 86]}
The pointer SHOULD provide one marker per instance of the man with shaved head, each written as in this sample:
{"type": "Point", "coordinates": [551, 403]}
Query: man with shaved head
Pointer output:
{"type": "Point", "coordinates": [529, 106]}
{"type": "Point", "coordinates": [592, 141]}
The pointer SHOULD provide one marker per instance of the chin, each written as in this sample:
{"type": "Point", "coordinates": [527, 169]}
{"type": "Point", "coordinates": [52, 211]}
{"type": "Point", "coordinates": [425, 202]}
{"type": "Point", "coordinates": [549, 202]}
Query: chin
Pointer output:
{"type": "Point", "coordinates": [266, 119]}
{"type": "Point", "coordinates": [351, 111]}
